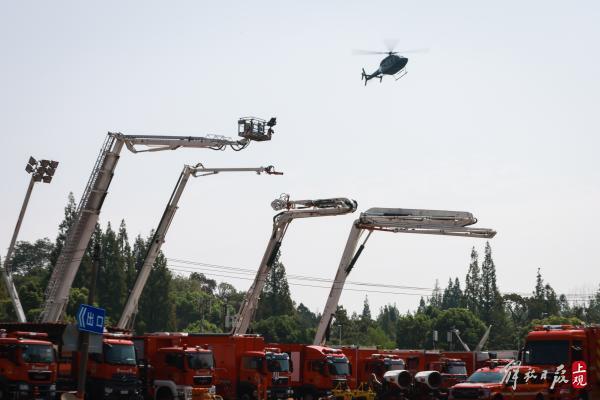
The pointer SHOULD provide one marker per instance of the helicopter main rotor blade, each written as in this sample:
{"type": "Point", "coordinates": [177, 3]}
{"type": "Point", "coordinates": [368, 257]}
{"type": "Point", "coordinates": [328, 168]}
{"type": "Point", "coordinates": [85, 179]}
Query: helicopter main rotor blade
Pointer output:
{"type": "Point", "coordinates": [424, 50]}
{"type": "Point", "coordinates": [364, 52]}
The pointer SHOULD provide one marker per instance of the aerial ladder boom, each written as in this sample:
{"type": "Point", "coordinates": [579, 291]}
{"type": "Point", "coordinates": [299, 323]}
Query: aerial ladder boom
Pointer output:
{"type": "Point", "coordinates": [292, 209]}
{"type": "Point", "coordinates": [397, 220]}
{"type": "Point", "coordinates": [128, 316]}
{"type": "Point", "coordinates": [88, 209]}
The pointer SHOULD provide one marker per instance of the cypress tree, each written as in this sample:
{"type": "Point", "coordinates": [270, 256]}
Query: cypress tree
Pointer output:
{"type": "Point", "coordinates": [472, 293]}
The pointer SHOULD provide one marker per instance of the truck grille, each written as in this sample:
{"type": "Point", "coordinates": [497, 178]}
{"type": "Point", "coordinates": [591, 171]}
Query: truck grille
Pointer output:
{"type": "Point", "coordinates": [202, 380]}
{"type": "Point", "coordinates": [124, 379]}
{"type": "Point", "coordinates": [40, 375]}
{"type": "Point", "coordinates": [465, 393]}
{"type": "Point", "coordinates": [281, 381]}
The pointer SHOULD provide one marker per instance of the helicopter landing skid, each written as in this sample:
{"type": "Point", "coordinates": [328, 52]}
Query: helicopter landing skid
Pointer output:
{"type": "Point", "coordinates": [400, 74]}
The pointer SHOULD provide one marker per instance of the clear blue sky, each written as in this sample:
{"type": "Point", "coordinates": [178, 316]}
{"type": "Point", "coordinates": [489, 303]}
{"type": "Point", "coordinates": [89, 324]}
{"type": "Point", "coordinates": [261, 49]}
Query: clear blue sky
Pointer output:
{"type": "Point", "coordinates": [500, 118]}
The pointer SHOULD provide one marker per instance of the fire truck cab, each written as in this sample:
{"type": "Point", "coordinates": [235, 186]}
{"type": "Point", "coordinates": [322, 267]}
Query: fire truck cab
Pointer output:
{"type": "Point", "coordinates": [27, 366]}
{"type": "Point", "coordinates": [550, 346]}
{"type": "Point", "coordinates": [172, 370]}
{"type": "Point", "coordinates": [318, 370]}
{"type": "Point", "coordinates": [114, 373]}
{"type": "Point", "coordinates": [453, 371]}
{"type": "Point", "coordinates": [245, 368]}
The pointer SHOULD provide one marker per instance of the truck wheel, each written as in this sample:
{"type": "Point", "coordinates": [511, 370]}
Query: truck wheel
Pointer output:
{"type": "Point", "coordinates": [539, 397]}
{"type": "Point", "coordinates": [246, 396]}
{"type": "Point", "coordinates": [164, 394]}
{"type": "Point", "coordinates": [308, 396]}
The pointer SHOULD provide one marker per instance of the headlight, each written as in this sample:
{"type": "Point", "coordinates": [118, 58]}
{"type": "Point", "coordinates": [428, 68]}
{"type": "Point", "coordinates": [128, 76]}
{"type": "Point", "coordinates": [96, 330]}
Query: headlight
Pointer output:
{"type": "Point", "coordinates": [53, 388]}
{"type": "Point", "coordinates": [108, 390]}
{"type": "Point", "coordinates": [212, 390]}
{"type": "Point", "coordinates": [290, 392]}
{"type": "Point", "coordinates": [24, 387]}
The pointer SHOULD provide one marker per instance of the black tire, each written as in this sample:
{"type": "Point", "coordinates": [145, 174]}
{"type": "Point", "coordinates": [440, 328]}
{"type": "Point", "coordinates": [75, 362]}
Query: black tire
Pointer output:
{"type": "Point", "coordinates": [539, 397]}
{"type": "Point", "coordinates": [164, 394]}
{"type": "Point", "coordinates": [246, 396]}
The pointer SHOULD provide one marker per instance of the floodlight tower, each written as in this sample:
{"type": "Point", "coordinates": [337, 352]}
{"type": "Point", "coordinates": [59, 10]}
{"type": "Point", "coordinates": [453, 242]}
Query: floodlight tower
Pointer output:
{"type": "Point", "coordinates": [41, 171]}
{"type": "Point", "coordinates": [396, 220]}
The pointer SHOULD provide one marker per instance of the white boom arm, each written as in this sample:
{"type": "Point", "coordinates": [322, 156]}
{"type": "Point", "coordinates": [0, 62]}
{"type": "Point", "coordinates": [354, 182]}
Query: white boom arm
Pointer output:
{"type": "Point", "coordinates": [128, 315]}
{"type": "Point", "coordinates": [88, 209]}
{"type": "Point", "coordinates": [431, 222]}
{"type": "Point", "coordinates": [293, 210]}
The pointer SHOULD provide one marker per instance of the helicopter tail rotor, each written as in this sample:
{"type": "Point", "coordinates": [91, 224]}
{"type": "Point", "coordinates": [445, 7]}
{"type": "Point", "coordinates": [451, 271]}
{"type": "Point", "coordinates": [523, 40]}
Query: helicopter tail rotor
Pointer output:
{"type": "Point", "coordinates": [364, 77]}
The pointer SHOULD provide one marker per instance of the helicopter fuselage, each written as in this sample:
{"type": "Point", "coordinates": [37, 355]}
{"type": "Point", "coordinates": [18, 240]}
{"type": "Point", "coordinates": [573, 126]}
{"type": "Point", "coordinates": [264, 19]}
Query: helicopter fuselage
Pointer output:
{"type": "Point", "coordinates": [390, 65]}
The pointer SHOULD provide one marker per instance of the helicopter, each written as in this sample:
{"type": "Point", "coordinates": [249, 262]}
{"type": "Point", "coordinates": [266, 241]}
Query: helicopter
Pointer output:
{"type": "Point", "coordinates": [394, 64]}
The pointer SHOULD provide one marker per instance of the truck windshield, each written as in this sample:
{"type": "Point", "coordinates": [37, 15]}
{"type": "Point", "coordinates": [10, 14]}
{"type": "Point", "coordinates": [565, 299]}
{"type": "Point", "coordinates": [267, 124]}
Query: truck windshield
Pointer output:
{"type": "Point", "coordinates": [486, 377]}
{"type": "Point", "coordinates": [278, 363]}
{"type": "Point", "coordinates": [120, 354]}
{"type": "Point", "coordinates": [340, 367]}
{"type": "Point", "coordinates": [547, 352]}
{"type": "Point", "coordinates": [394, 365]}
{"type": "Point", "coordinates": [37, 353]}
{"type": "Point", "coordinates": [200, 360]}
{"type": "Point", "coordinates": [456, 369]}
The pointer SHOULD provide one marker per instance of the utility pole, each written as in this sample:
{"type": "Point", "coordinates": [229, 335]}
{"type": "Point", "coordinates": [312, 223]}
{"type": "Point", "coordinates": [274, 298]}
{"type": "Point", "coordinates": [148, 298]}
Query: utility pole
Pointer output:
{"type": "Point", "coordinates": [41, 171]}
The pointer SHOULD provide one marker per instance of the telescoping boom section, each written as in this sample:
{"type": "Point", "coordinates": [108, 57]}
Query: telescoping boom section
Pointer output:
{"type": "Point", "coordinates": [127, 318]}
{"type": "Point", "coordinates": [397, 220]}
{"type": "Point", "coordinates": [292, 209]}
{"type": "Point", "coordinates": [88, 209]}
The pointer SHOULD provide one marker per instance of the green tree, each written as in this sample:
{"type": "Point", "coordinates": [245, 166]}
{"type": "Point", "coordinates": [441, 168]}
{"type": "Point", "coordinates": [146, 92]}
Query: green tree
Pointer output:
{"type": "Point", "coordinates": [491, 301]}
{"type": "Point", "coordinates": [156, 309]}
{"type": "Point", "coordinates": [414, 332]}
{"type": "Point", "coordinates": [387, 320]}
{"type": "Point", "coordinates": [276, 298]}
{"type": "Point", "coordinates": [472, 292]}
{"type": "Point", "coordinates": [470, 327]}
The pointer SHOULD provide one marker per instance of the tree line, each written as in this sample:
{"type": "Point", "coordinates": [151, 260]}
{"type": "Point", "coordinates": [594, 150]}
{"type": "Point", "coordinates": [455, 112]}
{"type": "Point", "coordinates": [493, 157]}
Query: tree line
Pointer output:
{"type": "Point", "coordinates": [196, 303]}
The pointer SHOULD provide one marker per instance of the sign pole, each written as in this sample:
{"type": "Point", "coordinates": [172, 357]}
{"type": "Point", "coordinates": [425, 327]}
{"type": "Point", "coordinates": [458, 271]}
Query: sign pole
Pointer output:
{"type": "Point", "coordinates": [84, 345]}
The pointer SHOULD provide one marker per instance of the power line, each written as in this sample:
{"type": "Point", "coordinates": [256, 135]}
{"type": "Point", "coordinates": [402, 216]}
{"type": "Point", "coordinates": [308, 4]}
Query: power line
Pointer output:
{"type": "Point", "coordinates": [574, 296]}
{"type": "Point", "coordinates": [221, 271]}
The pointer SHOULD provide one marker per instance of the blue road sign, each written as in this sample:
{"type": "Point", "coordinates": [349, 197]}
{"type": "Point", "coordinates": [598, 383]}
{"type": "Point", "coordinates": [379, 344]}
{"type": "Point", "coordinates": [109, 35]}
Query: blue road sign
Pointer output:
{"type": "Point", "coordinates": [90, 319]}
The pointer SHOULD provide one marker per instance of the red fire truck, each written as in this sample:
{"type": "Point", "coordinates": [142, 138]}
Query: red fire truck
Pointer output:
{"type": "Point", "coordinates": [318, 370]}
{"type": "Point", "coordinates": [170, 369]}
{"type": "Point", "coordinates": [245, 368]}
{"type": "Point", "coordinates": [112, 374]}
{"type": "Point", "coordinates": [570, 352]}
{"type": "Point", "coordinates": [367, 362]}
{"type": "Point", "coordinates": [27, 366]}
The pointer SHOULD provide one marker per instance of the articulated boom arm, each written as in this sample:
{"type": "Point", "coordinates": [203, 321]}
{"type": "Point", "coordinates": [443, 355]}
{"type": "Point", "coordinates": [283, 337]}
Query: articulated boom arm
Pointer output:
{"type": "Point", "coordinates": [292, 210]}
{"type": "Point", "coordinates": [397, 220]}
{"type": "Point", "coordinates": [88, 209]}
{"type": "Point", "coordinates": [127, 318]}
